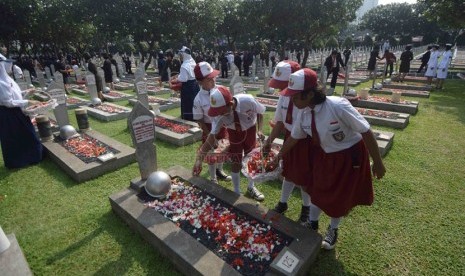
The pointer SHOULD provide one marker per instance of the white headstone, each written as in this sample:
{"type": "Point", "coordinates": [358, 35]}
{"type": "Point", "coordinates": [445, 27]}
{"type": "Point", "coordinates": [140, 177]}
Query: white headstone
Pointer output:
{"type": "Point", "coordinates": [91, 85]}
{"type": "Point", "coordinates": [237, 85]}
{"type": "Point", "coordinates": [27, 76]}
{"type": "Point", "coordinates": [141, 90]}
{"type": "Point", "coordinates": [61, 112]}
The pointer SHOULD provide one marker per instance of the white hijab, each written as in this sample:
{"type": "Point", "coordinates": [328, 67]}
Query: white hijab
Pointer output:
{"type": "Point", "coordinates": [10, 93]}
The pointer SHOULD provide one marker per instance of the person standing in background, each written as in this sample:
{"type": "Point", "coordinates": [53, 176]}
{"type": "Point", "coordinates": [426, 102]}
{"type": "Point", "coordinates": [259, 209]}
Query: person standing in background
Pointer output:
{"type": "Point", "coordinates": [333, 64]}
{"type": "Point", "coordinates": [443, 66]}
{"type": "Point", "coordinates": [432, 64]}
{"type": "Point", "coordinates": [405, 58]}
{"type": "Point", "coordinates": [390, 59]}
{"type": "Point", "coordinates": [108, 73]}
{"type": "Point", "coordinates": [347, 52]}
{"type": "Point", "coordinates": [19, 142]}
{"type": "Point", "coordinates": [189, 88]}
{"type": "Point", "coordinates": [425, 58]}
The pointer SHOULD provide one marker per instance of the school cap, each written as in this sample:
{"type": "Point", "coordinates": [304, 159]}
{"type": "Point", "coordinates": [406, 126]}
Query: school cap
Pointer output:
{"type": "Point", "coordinates": [281, 74]}
{"type": "Point", "coordinates": [204, 70]}
{"type": "Point", "coordinates": [220, 97]}
{"type": "Point", "coordinates": [186, 50]}
{"type": "Point", "coordinates": [299, 81]}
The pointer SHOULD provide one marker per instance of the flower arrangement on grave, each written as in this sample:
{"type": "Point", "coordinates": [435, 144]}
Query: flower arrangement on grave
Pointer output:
{"type": "Point", "coordinates": [377, 113]}
{"type": "Point", "coordinates": [114, 94]}
{"type": "Point", "coordinates": [248, 245]}
{"type": "Point", "coordinates": [109, 108]}
{"type": "Point", "coordinates": [171, 125]}
{"type": "Point", "coordinates": [219, 154]}
{"type": "Point", "coordinates": [85, 146]}
{"type": "Point", "coordinates": [266, 101]}
{"type": "Point", "coordinates": [260, 167]}
{"type": "Point", "coordinates": [384, 100]}
{"type": "Point", "coordinates": [41, 107]}
{"type": "Point", "coordinates": [71, 100]}
{"type": "Point", "coordinates": [175, 85]}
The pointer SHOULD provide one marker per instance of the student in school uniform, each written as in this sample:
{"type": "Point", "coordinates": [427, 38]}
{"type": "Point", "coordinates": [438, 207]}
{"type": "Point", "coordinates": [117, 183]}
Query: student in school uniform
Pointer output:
{"type": "Point", "coordinates": [242, 115]}
{"type": "Point", "coordinates": [206, 76]}
{"type": "Point", "coordinates": [342, 142]}
{"type": "Point", "coordinates": [445, 59]}
{"type": "Point", "coordinates": [431, 70]}
{"type": "Point", "coordinates": [296, 169]}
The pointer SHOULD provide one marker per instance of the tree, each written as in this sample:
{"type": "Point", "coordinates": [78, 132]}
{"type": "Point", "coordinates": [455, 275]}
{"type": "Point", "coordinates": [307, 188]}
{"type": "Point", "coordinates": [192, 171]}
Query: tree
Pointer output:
{"type": "Point", "coordinates": [447, 13]}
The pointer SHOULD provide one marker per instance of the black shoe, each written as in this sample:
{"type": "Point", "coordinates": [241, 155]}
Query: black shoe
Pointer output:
{"type": "Point", "coordinates": [304, 214]}
{"type": "Point", "coordinates": [330, 239]}
{"type": "Point", "coordinates": [281, 207]}
{"type": "Point", "coordinates": [221, 175]}
{"type": "Point", "coordinates": [311, 224]}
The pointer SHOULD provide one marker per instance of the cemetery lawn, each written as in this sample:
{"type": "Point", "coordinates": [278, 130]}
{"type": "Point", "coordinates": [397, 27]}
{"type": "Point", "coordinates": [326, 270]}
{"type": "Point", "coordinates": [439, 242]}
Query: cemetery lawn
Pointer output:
{"type": "Point", "coordinates": [415, 226]}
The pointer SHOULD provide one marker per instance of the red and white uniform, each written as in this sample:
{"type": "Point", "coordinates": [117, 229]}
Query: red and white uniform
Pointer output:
{"type": "Point", "coordinates": [296, 166]}
{"type": "Point", "coordinates": [200, 112]}
{"type": "Point", "coordinates": [341, 177]}
{"type": "Point", "coordinates": [243, 139]}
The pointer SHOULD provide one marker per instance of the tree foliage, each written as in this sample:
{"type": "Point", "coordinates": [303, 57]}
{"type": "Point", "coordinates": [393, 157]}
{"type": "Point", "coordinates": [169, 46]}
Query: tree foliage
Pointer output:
{"type": "Point", "coordinates": [447, 13]}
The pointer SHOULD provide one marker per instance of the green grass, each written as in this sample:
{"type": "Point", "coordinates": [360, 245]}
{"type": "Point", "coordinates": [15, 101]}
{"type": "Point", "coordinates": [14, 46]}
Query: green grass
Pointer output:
{"type": "Point", "coordinates": [415, 226]}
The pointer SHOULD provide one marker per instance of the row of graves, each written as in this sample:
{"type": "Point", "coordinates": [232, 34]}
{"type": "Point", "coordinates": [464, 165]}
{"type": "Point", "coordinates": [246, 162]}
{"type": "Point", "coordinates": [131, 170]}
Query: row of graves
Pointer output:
{"type": "Point", "coordinates": [201, 227]}
{"type": "Point", "coordinates": [204, 228]}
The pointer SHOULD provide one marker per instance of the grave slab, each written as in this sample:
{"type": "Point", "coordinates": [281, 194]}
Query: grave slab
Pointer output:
{"type": "Point", "coordinates": [269, 103]}
{"type": "Point", "coordinates": [157, 90]}
{"type": "Point", "coordinates": [12, 260]}
{"type": "Point", "coordinates": [407, 86]}
{"type": "Point", "coordinates": [415, 79]}
{"type": "Point", "coordinates": [385, 118]}
{"type": "Point", "coordinates": [75, 102]}
{"type": "Point", "coordinates": [340, 82]}
{"type": "Point", "coordinates": [114, 96]}
{"type": "Point", "coordinates": [405, 93]}
{"type": "Point", "coordinates": [121, 112]}
{"type": "Point", "coordinates": [409, 107]}
{"type": "Point", "coordinates": [191, 133]}
{"type": "Point", "coordinates": [123, 85]}
{"type": "Point", "coordinates": [80, 91]}
{"type": "Point", "coordinates": [80, 171]}
{"type": "Point", "coordinates": [193, 258]}
{"type": "Point", "coordinates": [165, 104]}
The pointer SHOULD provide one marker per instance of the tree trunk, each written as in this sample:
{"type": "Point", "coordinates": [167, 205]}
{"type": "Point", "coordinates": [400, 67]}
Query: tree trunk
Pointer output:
{"type": "Point", "coordinates": [149, 60]}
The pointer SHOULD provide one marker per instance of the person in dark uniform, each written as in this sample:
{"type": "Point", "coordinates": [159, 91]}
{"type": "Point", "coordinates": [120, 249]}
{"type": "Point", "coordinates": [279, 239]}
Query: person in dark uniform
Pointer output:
{"type": "Point", "coordinates": [224, 65]}
{"type": "Point", "coordinates": [347, 52]}
{"type": "Point", "coordinates": [20, 145]}
{"type": "Point", "coordinates": [333, 64]}
{"type": "Point", "coordinates": [108, 73]}
{"type": "Point", "coordinates": [405, 59]}
{"type": "Point", "coordinates": [374, 55]}
{"type": "Point", "coordinates": [424, 59]}
{"type": "Point", "coordinates": [190, 87]}
{"type": "Point", "coordinates": [238, 62]}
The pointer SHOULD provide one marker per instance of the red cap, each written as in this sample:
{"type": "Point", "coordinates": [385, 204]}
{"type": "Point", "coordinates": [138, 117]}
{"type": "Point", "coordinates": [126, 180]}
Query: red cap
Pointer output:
{"type": "Point", "coordinates": [220, 98]}
{"type": "Point", "coordinates": [204, 70]}
{"type": "Point", "coordinates": [299, 81]}
{"type": "Point", "coordinates": [282, 72]}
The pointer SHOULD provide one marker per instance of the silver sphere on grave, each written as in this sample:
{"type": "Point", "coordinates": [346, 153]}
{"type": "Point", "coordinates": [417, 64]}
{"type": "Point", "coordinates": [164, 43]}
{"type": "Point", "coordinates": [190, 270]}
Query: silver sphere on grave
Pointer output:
{"type": "Point", "coordinates": [96, 101]}
{"type": "Point", "coordinates": [106, 89]}
{"type": "Point", "coordinates": [68, 132]}
{"type": "Point", "coordinates": [387, 81]}
{"type": "Point", "coordinates": [117, 80]}
{"type": "Point", "coordinates": [378, 86]}
{"type": "Point", "coordinates": [158, 184]}
{"type": "Point", "coordinates": [31, 85]}
{"type": "Point", "coordinates": [351, 92]}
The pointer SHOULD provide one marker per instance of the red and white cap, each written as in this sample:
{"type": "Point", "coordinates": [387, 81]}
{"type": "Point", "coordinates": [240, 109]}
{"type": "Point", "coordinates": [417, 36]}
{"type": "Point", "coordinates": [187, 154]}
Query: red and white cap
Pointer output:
{"type": "Point", "coordinates": [299, 81]}
{"type": "Point", "coordinates": [282, 72]}
{"type": "Point", "coordinates": [204, 70]}
{"type": "Point", "coordinates": [220, 98]}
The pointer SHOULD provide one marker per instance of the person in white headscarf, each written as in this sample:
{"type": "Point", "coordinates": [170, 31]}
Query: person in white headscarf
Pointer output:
{"type": "Point", "coordinates": [190, 87]}
{"type": "Point", "coordinates": [20, 145]}
{"type": "Point", "coordinates": [445, 59]}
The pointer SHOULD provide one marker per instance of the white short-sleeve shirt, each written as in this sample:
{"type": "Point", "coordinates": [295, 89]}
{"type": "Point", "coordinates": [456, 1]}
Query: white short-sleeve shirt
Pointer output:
{"type": "Point", "coordinates": [247, 109]}
{"type": "Point", "coordinates": [338, 123]}
{"type": "Point", "coordinates": [187, 71]}
{"type": "Point", "coordinates": [201, 106]}
{"type": "Point", "coordinates": [281, 112]}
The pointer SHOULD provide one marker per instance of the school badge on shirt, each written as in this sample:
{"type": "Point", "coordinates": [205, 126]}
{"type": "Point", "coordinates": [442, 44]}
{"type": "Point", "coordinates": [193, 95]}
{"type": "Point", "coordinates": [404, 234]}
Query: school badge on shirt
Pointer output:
{"type": "Point", "coordinates": [339, 136]}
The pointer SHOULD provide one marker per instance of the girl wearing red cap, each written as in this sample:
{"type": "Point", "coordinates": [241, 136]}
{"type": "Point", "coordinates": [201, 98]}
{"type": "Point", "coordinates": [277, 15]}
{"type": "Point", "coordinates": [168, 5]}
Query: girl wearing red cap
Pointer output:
{"type": "Point", "coordinates": [296, 168]}
{"type": "Point", "coordinates": [339, 156]}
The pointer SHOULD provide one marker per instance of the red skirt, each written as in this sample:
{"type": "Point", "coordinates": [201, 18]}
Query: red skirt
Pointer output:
{"type": "Point", "coordinates": [241, 142]}
{"type": "Point", "coordinates": [341, 180]}
{"type": "Point", "coordinates": [221, 135]}
{"type": "Point", "coordinates": [296, 163]}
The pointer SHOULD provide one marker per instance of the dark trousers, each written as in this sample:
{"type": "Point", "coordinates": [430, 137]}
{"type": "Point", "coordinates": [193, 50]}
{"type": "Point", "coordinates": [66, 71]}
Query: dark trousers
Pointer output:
{"type": "Point", "coordinates": [334, 73]}
{"type": "Point", "coordinates": [391, 68]}
{"type": "Point", "coordinates": [189, 90]}
{"type": "Point", "coordinates": [423, 65]}
{"type": "Point", "coordinates": [224, 71]}
{"type": "Point", "coordinates": [246, 70]}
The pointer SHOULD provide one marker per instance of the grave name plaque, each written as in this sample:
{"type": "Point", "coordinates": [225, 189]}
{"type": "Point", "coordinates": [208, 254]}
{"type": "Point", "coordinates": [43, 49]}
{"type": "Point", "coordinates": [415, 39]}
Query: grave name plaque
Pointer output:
{"type": "Point", "coordinates": [142, 129]}
{"type": "Point", "coordinates": [61, 112]}
{"type": "Point", "coordinates": [141, 89]}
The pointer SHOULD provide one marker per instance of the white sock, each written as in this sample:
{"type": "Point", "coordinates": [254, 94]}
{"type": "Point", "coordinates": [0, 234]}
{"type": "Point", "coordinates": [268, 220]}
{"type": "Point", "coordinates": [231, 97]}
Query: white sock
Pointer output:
{"type": "Point", "coordinates": [286, 190]}
{"type": "Point", "coordinates": [315, 212]}
{"type": "Point", "coordinates": [335, 222]}
{"type": "Point", "coordinates": [251, 184]}
{"type": "Point", "coordinates": [212, 170]}
{"type": "Point", "coordinates": [236, 182]}
{"type": "Point", "coordinates": [306, 201]}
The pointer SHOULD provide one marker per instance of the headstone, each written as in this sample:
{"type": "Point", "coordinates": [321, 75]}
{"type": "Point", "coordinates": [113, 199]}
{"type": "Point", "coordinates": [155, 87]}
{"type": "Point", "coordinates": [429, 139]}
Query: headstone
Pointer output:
{"type": "Point", "coordinates": [141, 90]}
{"type": "Point", "coordinates": [266, 78]}
{"type": "Point", "coordinates": [40, 78]}
{"type": "Point", "coordinates": [48, 74]}
{"type": "Point", "coordinates": [140, 73]}
{"type": "Point", "coordinates": [91, 86]}
{"type": "Point", "coordinates": [59, 79]}
{"type": "Point", "coordinates": [254, 68]}
{"type": "Point", "coordinates": [113, 71]}
{"type": "Point", "coordinates": [346, 79]}
{"type": "Point", "coordinates": [61, 112]}
{"type": "Point", "coordinates": [27, 76]}
{"type": "Point", "coordinates": [101, 73]}
{"type": "Point", "coordinates": [234, 70]}
{"type": "Point", "coordinates": [323, 76]}
{"type": "Point", "coordinates": [52, 69]}
{"type": "Point", "coordinates": [236, 85]}
{"type": "Point", "coordinates": [142, 128]}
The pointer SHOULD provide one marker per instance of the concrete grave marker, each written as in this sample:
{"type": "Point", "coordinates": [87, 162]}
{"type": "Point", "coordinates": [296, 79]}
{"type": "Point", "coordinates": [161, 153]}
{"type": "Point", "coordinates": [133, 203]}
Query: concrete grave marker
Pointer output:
{"type": "Point", "coordinates": [91, 86]}
{"type": "Point", "coordinates": [141, 90]}
{"type": "Point", "coordinates": [48, 74]}
{"type": "Point", "coordinates": [142, 129]}
{"type": "Point", "coordinates": [59, 79]}
{"type": "Point", "coordinates": [61, 112]}
{"type": "Point", "coordinates": [237, 85]}
{"type": "Point", "coordinates": [101, 73]}
{"type": "Point", "coordinates": [27, 76]}
{"type": "Point", "coordinates": [52, 69]}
